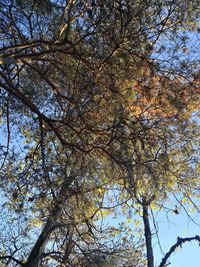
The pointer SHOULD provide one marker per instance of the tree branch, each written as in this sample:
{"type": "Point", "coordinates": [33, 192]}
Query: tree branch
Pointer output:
{"type": "Point", "coordinates": [179, 243]}
{"type": "Point", "coordinates": [13, 259]}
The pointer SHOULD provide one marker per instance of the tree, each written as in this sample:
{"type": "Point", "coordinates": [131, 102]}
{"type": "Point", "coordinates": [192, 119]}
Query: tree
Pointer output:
{"type": "Point", "coordinates": [160, 165]}
{"type": "Point", "coordinates": [92, 89]}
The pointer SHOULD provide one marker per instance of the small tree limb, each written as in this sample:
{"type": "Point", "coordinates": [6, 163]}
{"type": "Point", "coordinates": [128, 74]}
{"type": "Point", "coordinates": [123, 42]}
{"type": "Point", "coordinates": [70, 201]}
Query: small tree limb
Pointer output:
{"type": "Point", "coordinates": [179, 243]}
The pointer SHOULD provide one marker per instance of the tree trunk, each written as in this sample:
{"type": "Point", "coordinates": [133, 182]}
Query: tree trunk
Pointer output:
{"type": "Point", "coordinates": [39, 247]}
{"type": "Point", "coordinates": [148, 239]}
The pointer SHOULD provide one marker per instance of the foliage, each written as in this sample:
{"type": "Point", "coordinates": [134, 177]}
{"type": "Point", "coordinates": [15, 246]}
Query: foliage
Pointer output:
{"type": "Point", "coordinates": [99, 116]}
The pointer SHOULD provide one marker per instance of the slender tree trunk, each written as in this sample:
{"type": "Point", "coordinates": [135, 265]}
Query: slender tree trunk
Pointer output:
{"type": "Point", "coordinates": [148, 239]}
{"type": "Point", "coordinates": [39, 247]}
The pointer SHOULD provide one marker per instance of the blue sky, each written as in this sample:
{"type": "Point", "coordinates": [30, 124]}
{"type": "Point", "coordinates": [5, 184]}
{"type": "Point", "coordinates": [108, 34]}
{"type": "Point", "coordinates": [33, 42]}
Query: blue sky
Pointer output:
{"type": "Point", "coordinates": [171, 227]}
{"type": "Point", "coordinates": [179, 226]}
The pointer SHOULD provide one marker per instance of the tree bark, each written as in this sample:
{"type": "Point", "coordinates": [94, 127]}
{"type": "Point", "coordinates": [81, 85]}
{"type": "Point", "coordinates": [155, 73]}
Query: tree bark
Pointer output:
{"type": "Point", "coordinates": [148, 237]}
{"type": "Point", "coordinates": [35, 256]}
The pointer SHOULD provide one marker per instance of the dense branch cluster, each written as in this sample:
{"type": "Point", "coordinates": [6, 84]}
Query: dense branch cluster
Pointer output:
{"type": "Point", "coordinates": [98, 108]}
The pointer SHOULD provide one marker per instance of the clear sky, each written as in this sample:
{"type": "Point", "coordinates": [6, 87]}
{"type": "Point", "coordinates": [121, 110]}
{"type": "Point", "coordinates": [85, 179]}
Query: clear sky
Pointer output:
{"type": "Point", "coordinates": [179, 226]}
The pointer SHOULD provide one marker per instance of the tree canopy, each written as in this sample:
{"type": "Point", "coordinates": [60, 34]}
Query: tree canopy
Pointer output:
{"type": "Point", "coordinates": [99, 117]}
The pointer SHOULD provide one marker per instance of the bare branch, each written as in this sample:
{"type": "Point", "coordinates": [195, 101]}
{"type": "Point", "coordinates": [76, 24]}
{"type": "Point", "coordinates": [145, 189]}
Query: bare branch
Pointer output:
{"type": "Point", "coordinates": [179, 243]}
